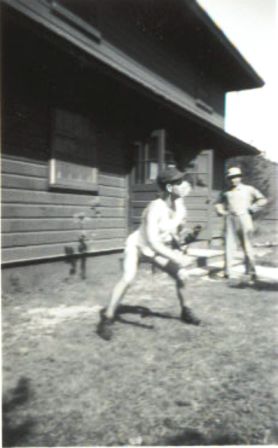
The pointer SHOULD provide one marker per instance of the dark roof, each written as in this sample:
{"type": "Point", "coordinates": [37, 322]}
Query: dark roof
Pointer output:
{"type": "Point", "coordinates": [184, 27]}
{"type": "Point", "coordinates": [240, 74]}
{"type": "Point", "coordinates": [212, 134]}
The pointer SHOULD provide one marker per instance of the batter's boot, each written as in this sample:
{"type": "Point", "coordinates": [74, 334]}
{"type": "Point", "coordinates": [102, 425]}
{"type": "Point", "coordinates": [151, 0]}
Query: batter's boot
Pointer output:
{"type": "Point", "coordinates": [104, 327]}
{"type": "Point", "coordinates": [188, 317]}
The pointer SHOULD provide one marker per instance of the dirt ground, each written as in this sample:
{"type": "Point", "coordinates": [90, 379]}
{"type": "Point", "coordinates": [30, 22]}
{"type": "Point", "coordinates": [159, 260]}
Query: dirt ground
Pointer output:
{"type": "Point", "coordinates": [157, 382]}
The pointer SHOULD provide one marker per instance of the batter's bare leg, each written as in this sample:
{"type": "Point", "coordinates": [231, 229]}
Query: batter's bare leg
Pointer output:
{"type": "Point", "coordinates": [130, 267]}
{"type": "Point", "coordinates": [180, 275]}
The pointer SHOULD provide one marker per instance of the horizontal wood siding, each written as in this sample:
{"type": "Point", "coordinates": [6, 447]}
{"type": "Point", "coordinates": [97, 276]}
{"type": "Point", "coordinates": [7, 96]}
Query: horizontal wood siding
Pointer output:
{"type": "Point", "coordinates": [48, 251]}
{"type": "Point", "coordinates": [120, 29]}
{"type": "Point", "coordinates": [218, 183]}
{"type": "Point", "coordinates": [217, 221]}
{"type": "Point", "coordinates": [38, 223]}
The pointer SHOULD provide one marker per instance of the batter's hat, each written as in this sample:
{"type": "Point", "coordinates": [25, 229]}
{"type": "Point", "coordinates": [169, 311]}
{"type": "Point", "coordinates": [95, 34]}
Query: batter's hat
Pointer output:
{"type": "Point", "coordinates": [169, 176]}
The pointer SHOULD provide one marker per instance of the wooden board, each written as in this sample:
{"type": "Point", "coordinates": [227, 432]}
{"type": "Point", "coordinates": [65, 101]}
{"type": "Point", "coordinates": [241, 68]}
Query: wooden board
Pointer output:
{"type": "Point", "coordinates": [38, 222]}
{"type": "Point", "coordinates": [23, 254]}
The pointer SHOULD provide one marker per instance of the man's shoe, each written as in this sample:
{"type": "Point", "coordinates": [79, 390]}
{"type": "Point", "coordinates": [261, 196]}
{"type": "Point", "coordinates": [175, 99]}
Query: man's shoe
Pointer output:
{"type": "Point", "coordinates": [104, 329]}
{"type": "Point", "coordinates": [188, 317]}
{"type": "Point", "coordinates": [253, 278]}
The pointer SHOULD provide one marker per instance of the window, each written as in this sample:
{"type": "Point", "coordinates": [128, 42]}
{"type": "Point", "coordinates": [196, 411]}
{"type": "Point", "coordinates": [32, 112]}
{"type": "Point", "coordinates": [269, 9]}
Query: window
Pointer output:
{"type": "Point", "coordinates": [150, 157]}
{"type": "Point", "coordinates": [169, 159]}
{"type": "Point", "coordinates": [73, 145]}
{"type": "Point", "coordinates": [146, 162]}
{"type": "Point", "coordinates": [197, 171]}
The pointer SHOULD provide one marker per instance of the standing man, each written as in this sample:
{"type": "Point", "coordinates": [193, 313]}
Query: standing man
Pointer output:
{"type": "Point", "coordinates": [155, 239]}
{"type": "Point", "coordinates": [237, 204]}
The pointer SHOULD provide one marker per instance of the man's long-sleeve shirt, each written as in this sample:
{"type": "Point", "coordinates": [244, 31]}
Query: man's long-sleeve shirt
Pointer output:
{"type": "Point", "coordinates": [240, 200]}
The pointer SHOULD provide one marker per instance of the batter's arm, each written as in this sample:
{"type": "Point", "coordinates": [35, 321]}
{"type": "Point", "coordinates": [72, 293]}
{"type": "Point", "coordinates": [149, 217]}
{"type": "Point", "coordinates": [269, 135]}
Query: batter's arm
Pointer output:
{"type": "Point", "coordinates": [154, 239]}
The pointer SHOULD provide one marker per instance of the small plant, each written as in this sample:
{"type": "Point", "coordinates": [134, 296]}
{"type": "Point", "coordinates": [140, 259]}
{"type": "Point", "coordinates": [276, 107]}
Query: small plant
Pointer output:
{"type": "Point", "coordinates": [15, 282]}
{"type": "Point", "coordinates": [81, 219]}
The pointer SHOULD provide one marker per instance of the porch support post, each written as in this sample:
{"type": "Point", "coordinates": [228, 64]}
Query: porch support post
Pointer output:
{"type": "Point", "coordinates": [160, 134]}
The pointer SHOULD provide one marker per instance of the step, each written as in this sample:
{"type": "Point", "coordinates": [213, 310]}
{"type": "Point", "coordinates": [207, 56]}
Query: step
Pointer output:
{"type": "Point", "coordinates": [197, 272]}
{"type": "Point", "coordinates": [205, 257]}
{"type": "Point", "coordinates": [264, 273]}
{"type": "Point", "coordinates": [214, 267]}
{"type": "Point", "coordinates": [219, 265]}
{"type": "Point", "coordinates": [202, 260]}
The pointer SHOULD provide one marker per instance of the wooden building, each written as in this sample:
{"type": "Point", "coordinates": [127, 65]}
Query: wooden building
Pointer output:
{"type": "Point", "coordinates": [98, 95]}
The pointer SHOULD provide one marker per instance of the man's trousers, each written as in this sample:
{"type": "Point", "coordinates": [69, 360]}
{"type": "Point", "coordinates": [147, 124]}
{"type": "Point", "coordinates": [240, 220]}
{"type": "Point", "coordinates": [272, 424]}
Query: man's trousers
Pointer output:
{"type": "Point", "coordinates": [239, 230]}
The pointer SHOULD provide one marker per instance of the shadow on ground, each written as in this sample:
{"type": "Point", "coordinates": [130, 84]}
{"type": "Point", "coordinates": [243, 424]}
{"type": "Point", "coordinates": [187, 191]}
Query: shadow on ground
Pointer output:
{"type": "Point", "coordinates": [143, 312]}
{"type": "Point", "coordinates": [192, 437]}
{"type": "Point", "coordinates": [258, 285]}
{"type": "Point", "coordinates": [15, 433]}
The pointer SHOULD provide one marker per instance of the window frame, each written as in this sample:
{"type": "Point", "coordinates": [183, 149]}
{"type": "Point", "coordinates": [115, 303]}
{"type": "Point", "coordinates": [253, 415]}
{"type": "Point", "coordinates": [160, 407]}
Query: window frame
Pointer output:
{"type": "Point", "coordinates": [59, 163]}
{"type": "Point", "coordinates": [55, 181]}
{"type": "Point", "coordinates": [142, 163]}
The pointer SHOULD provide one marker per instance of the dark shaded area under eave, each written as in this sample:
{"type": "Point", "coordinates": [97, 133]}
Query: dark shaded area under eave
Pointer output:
{"type": "Point", "coordinates": [227, 145]}
{"type": "Point", "coordinates": [204, 135]}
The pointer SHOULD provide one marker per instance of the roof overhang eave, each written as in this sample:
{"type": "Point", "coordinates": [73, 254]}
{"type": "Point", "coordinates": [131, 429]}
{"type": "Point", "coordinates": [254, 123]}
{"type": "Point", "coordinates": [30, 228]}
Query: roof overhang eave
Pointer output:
{"type": "Point", "coordinates": [214, 135]}
{"type": "Point", "coordinates": [252, 79]}
{"type": "Point", "coordinates": [222, 142]}
{"type": "Point", "coordinates": [228, 146]}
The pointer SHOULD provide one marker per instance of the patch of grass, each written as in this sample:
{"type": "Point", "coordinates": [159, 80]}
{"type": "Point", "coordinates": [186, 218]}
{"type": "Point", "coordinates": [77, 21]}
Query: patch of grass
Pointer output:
{"type": "Point", "coordinates": [266, 231]}
{"type": "Point", "coordinates": [158, 381]}
{"type": "Point", "coordinates": [269, 257]}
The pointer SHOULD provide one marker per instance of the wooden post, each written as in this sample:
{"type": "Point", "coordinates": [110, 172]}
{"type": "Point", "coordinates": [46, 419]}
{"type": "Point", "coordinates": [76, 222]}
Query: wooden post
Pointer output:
{"type": "Point", "coordinates": [160, 134]}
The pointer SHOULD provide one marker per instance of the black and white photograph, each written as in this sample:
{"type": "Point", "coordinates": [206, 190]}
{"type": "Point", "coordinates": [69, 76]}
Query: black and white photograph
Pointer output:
{"type": "Point", "coordinates": [139, 223]}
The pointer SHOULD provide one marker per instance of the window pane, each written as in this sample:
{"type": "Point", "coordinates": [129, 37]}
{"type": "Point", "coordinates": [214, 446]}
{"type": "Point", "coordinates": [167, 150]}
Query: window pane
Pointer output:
{"type": "Point", "coordinates": [153, 170]}
{"type": "Point", "coordinates": [146, 162]}
{"type": "Point", "coordinates": [73, 147]}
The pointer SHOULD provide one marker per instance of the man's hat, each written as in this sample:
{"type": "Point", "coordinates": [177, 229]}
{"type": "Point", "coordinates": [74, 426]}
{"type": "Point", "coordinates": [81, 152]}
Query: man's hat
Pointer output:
{"type": "Point", "coordinates": [169, 175]}
{"type": "Point", "coordinates": [234, 172]}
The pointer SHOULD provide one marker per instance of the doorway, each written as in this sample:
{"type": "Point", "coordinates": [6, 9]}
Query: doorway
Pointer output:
{"type": "Point", "coordinates": [150, 156]}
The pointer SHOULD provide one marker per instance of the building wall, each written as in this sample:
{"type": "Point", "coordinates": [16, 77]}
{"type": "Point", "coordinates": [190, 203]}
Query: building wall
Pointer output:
{"type": "Point", "coordinates": [39, 222]}
{"type": "Point", "coordinates": [120, 27]}
{"type": "Point", "coordinates": [218, 183]}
